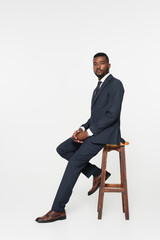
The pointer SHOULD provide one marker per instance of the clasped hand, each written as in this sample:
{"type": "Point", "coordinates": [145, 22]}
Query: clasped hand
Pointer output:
{"type": "Point", "coordinates": [79, 135]}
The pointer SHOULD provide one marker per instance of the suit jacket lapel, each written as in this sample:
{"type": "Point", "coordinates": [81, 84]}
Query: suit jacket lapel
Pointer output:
{"type": "Point", "coordinates": [101, 88]}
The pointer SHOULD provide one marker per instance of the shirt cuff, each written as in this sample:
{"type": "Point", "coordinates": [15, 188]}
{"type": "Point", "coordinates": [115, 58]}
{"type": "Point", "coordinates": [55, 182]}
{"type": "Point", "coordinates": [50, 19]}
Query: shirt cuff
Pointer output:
{"type": "Point", "coordinates": [82, 128]}
{"type": "Point", "coordinates": [89, 132]}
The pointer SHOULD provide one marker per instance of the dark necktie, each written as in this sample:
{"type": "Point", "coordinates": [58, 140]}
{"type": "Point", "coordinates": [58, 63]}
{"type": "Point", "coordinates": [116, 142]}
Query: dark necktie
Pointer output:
{"type": "Point", "coordinates": [97, 88]}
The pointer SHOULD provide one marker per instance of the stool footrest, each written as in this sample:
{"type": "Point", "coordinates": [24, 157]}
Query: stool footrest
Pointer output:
{"type": "Point", "coordinates": [109, 189]}
{"type": "Point", "coordinates": [113, 185]}
{"type": "Point", "coordinates": [113, 188]}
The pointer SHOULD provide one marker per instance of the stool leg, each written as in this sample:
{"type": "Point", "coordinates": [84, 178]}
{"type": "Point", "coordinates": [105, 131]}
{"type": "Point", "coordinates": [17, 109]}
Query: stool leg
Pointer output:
{"type": "Point", "coordinates": [99, 195]}
{"type": "Point", "coordinates": [98, 201]}
{"type": "Point", "coordinates": [102, 185]}
{"type": "Point", "coordinates": [125, 184]}
{"type": "Point", "coordinates": [122, 178]}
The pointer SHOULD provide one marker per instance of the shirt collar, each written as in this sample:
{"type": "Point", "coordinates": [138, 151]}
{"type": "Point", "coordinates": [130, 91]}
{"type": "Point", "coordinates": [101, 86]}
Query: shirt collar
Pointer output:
{"type": "Point", "coordinates": [102, 80]}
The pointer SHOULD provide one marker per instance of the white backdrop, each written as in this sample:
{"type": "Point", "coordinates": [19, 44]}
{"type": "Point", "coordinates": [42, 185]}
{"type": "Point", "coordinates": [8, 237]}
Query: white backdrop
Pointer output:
{"type": "Point", "coordinates": [46, 83]}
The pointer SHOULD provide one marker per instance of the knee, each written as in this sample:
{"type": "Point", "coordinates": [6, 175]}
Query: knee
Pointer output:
{"type": "Point", "coordinates": [59, 150]}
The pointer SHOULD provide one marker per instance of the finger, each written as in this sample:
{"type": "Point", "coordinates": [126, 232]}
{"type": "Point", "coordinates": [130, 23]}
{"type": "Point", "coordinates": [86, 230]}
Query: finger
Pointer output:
{"type": "Point", "coordinates": [77, 141]}
{"type": "Point", "coordinates": [74, 135]}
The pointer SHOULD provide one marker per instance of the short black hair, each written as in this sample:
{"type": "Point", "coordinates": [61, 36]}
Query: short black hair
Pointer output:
{"type": "Point", "coordinates": [101, 54]}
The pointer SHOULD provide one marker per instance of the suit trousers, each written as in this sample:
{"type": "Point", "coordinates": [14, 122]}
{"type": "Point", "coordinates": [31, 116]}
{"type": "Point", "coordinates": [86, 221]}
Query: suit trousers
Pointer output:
{"type": "Point", "coordinates": [78, 156]}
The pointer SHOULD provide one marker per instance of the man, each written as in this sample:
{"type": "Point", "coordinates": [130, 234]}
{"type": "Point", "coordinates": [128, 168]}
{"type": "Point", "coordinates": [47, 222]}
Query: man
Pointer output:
{"type": "Point", "coordinates": [103, 127]}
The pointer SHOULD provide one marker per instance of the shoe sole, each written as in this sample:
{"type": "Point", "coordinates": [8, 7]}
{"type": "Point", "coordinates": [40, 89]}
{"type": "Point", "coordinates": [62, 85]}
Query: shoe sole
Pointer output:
{"type": "Point", "coordinates": [90, 193]}
{"type": "Point", "coordinates": [60, 218]}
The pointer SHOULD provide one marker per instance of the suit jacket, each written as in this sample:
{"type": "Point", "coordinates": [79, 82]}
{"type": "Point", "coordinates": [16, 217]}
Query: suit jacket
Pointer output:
{"type": "Point", "coordinates": [104, 121]}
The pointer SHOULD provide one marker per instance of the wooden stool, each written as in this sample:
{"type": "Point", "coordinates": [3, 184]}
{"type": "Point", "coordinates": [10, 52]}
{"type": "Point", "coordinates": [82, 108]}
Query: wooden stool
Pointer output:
{"type": "Point", "coordinates": [114, 187]}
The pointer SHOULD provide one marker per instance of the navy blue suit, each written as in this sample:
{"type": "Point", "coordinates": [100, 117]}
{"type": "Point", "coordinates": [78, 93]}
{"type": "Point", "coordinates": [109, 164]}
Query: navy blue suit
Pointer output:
{"type": "Point", "coordinates": [104, 123]}
{"type": "Point", "coordinates": [105, 112]}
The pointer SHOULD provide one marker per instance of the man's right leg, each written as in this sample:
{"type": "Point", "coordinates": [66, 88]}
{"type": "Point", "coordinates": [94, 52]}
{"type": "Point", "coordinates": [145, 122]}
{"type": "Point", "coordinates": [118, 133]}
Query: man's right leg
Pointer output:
{"type": "Point", "coordinates": [66, 150]}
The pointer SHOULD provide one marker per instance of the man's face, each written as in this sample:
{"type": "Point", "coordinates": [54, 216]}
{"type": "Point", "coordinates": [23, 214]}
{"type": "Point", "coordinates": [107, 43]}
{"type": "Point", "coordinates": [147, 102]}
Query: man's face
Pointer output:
{"type": "Point", "coordinates": [100, 66]}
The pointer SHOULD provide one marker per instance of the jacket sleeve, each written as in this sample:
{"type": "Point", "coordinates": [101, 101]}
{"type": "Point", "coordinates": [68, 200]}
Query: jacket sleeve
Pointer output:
{"type": "Point", "coordinates": [86, 125]}
{"type": "Point", "coordinates": [112, 111]}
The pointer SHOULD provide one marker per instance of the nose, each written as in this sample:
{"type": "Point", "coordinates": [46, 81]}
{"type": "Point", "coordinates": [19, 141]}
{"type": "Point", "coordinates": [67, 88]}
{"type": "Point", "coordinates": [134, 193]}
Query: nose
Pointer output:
{"type": "Point", "coordinates": [98, 67]}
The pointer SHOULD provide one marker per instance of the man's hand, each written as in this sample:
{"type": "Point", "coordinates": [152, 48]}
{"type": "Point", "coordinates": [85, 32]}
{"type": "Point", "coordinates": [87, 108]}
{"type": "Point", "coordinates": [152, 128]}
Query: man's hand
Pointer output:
{"type": "Point", "coordinates": [82, 136]}
{"type": "Point", "coordinates": [74, 136]}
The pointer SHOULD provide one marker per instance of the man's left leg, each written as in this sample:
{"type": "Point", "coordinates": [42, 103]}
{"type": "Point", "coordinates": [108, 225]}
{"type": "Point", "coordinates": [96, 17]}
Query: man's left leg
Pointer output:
{"type": "Point", "coordinates": [74, 167]}
{"type": "Point", "coordinates": [76, 163]}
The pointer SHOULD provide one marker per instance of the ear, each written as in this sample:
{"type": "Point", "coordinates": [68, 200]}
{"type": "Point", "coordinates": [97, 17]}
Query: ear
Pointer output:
{"type": "Point", "coordinates": [109, 65]}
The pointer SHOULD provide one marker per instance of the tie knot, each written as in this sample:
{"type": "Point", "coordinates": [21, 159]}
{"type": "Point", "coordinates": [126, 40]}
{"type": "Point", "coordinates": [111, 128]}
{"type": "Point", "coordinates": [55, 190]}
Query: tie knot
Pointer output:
{"type": "Point", "coordinates": [99, 83]}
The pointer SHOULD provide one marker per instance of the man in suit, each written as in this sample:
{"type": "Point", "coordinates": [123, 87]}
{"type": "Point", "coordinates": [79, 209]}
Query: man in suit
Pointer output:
{"type": "Point", "coordinates": [103, 127]}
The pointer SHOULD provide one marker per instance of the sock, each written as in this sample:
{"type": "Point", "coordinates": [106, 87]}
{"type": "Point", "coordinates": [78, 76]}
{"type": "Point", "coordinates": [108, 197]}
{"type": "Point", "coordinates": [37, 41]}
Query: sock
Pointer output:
{"type": "Point", "coordinates": [97, 172]}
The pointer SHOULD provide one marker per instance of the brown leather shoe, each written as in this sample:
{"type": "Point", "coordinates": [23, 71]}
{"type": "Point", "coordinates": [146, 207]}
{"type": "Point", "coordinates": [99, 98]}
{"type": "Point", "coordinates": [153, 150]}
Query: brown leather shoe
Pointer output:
{"type": "Point", "coordinates": [51, 216]}
{"type": "Point", "coordinates": [96, 183]}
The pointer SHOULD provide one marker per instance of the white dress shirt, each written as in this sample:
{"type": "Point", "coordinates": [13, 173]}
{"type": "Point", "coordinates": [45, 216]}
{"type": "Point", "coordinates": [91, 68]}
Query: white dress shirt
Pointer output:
{"type": "Point", "coordinates": [88, 130]}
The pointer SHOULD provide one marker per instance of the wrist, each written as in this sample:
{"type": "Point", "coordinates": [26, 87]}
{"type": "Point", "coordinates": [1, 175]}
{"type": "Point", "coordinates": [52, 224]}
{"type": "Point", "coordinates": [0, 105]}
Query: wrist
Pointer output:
{"type": "Point", "coordinates": [82, 128]}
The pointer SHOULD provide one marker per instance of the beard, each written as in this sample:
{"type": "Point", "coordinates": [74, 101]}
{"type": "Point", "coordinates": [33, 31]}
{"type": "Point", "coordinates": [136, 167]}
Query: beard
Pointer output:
{"type": "Point", "coordinates": [101, 75]}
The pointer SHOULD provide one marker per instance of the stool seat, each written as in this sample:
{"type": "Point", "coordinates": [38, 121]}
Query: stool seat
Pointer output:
{"type": "Point", "coordinates": [121, 144]}
{"type": "Point", "coordinates": [122, 187]}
